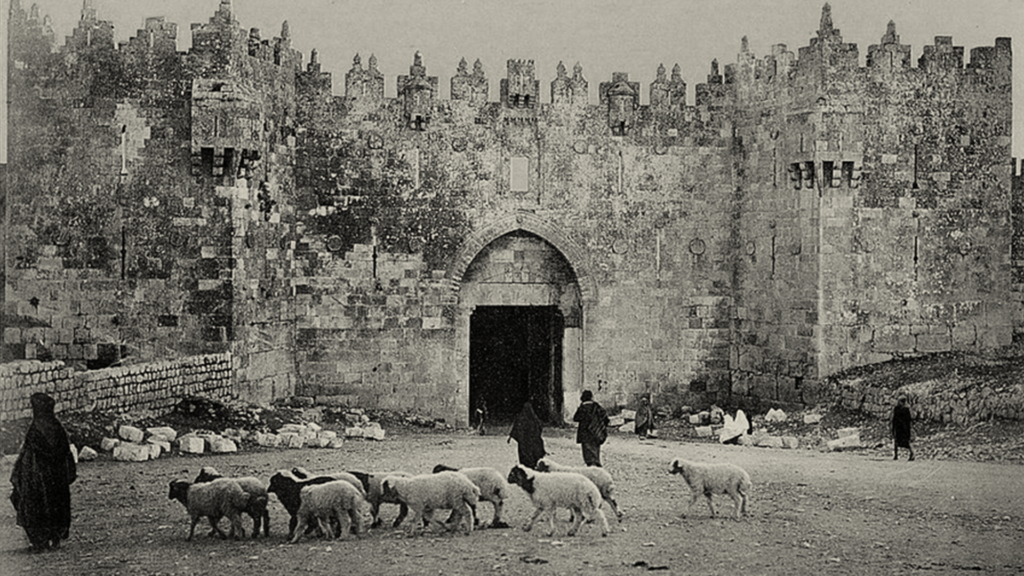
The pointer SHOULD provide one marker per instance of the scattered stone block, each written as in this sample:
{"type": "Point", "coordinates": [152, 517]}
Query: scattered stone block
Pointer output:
{"type": "Point", "coordinates": [616, 421]}
{"type": "Point", "coordinates": [269, 440]}
{"type": "Point", "coordinates": [843, 432]}
{"type": "Point", "coordinates": [812, 418]}
{"type": "Point", "coordinates": [130, 433]}
{"type": "Point", "coordinates": [374, 433]}
{"type": "Point", "coordinates": [291, 429]}
{"type": "Point", "coordinates": [162, 445]}
{"type": "Point", "coordinates": [695, 419]}
{"type": "Point", "coordinates": [318, 442]}
{"type": "Point", "coordinates": [791, 442]}
{"type": "Point", "coordinates": [770, 442]}
{"type": "Point", "coordinates": [775, 415]}
{"type": "Point", "coordinates": [295, 441]}
{"type": "Point", "coordinates": [220, 445]}
{"type": "Point", "coordinates": [628, 414]}
{"type": "Point", "coordinates": [87, 454]}
{"type": "Point", "coordinates": [108, 444]}
{"type": "Point", "coordinates": [628, 427]}
{"type": "Point", "coordinates": [745, 440]}
{"type": "Point", "coordinates": [126, 452]}
{"type": "Point", "coordinates": [704, 431]}
{"type": "Point", "coordinates": [336, 442]}
{"type": "Point", "coordinates": [153, 451]}
{"type": "Point", "coordinates": [191, 444]}
{"type": "Point", "coordinates": [353, 432]}
{"type": "Point", "coordinates": [328, 434]}
{"type": "Point", "coordinates": [850, 441]}
{"type": "Point", "coordinates": [163, 433]}
{"type": "Point", "coordinates": [313, 428]}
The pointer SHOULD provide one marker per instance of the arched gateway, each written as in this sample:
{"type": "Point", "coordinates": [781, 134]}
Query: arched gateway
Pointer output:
{"type": "Point", "coordinates": [521, 302]}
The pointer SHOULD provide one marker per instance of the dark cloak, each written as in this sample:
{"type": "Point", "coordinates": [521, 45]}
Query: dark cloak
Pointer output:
{"type": "Point", "coordinates": [42, 477]}
{"type": "Point", "coordinates": [593, 423]}
{"type": "Point", "coordinates": [644, 418]}
{"type": "Point", "coordinates": [901, 432]}
{"type": "Point", "coordinates": [526, 431]}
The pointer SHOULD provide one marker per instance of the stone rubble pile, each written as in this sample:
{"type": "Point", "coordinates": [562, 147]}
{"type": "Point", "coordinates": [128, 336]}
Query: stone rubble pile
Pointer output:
{"type": "Point", "coordinates": [133, 444]}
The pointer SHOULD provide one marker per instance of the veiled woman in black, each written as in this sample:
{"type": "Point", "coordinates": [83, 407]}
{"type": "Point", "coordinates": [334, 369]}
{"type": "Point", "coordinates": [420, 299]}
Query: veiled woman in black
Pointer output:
{"type": "Point", "coordinates": [526, 432]}
{"type": "Point", "coordinates": [901, 428]}
{"type": "Point", "coordinates": [42, 478]}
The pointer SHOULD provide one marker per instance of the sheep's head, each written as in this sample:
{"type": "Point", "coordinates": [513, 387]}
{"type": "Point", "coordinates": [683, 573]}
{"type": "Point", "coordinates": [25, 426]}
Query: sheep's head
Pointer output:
{"type": "Point", "coordinates": [388, 488]}
{"type": "Point", "coordinates": [364, 479]}
{"type": "Point", "coordinates": [679, 467]}
{"type": "Point", "coordinates": [179, 491]}
{"type": "Point", "coordinates": [543, 465]}
{"type": "Point", "coordinates": [443, 468]}
{"type": "Point", "coordinates": [279, 482]}
{"type": "Point", "coordinates": [207, 473]}
{"type": "Point", "coordinates": [520, 477]}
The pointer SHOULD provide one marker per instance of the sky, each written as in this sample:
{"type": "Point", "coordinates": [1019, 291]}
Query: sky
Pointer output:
{"type": "Point", "coordinates": [604, 36]}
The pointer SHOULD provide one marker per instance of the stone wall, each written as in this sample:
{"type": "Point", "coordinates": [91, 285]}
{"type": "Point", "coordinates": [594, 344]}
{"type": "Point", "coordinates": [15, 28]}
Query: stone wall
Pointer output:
{"type": "Point", "coordinates": [938, 400]}
{"type": "Point", "coordinates": [154, 386]}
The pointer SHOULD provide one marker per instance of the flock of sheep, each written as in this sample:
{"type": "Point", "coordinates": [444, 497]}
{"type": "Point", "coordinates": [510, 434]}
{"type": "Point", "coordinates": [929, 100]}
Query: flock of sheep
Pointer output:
{"type": "Point", "coordinates": [335, 504]}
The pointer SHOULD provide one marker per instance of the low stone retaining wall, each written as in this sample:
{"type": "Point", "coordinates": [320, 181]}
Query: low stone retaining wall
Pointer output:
{"type": "Point", "coordinates": [938, 401]}
{"type": "Point", "coordinates": [154, 386]}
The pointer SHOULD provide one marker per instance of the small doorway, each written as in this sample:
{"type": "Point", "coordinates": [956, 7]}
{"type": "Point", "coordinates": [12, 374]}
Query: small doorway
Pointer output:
{"type": "Point", "coordinates": [515, 356]}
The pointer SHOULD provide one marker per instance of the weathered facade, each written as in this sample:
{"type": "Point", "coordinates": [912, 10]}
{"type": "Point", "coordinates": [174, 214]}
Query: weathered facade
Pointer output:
{"type": "Point", "coordinates": [805, 215]}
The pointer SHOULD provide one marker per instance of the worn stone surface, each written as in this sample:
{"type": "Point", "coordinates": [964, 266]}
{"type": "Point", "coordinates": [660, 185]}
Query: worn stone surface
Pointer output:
{"type": "Point", "coordinates": [806, 214]}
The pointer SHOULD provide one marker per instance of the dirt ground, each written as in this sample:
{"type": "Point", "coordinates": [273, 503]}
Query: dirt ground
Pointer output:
{"type": "Point", "coordinates": [835, 513]}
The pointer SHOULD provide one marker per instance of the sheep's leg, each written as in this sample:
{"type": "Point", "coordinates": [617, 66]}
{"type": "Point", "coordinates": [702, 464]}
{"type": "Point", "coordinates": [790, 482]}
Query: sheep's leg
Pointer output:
{"type": "Point", "coordinates": [470, 512]}
{"type": "Point", "coordinates": [577, 519]}
{"type": "Point", "coordinates": [256, 521]}
{"type": "Point", "coordinates": [213, 523]}
{"type": "Point", "coordinates": [402, 511]}
{"type": "Point", "coordinates": [536, 514]}
{"type": "Point", "coordinates": [375, 514]}
{"type": "Point", "coordinates": [300, 528]}
{"type": "Point", "coordinates": [325, 527]}
{"type": "Point", "coordinates": [710, 503]}
{"type": "Point", "coordinates": [192, 529]}
{"type": "Point", "coordinates": [266, 523]}
{"type": "Point", "coordinates": [417, 518]}
{"type": "Point", "coordinates": [237, 531]}
{"type": "Point", "coordinates": [291, 525]}
{"type": "Point", "coordinates": [497, 522]}
{"type": "Point", "coordinates": [344, 525]}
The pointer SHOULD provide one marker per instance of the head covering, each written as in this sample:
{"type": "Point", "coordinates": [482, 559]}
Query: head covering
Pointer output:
{"type": "Point", "coordinates": [587, 396]}
{"type": "Point", "coordinates": [42, 404]}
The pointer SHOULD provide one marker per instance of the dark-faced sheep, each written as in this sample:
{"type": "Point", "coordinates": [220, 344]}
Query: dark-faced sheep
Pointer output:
{"type": "Point", "coordinates": [552, 490]}
{"type": "Point", "coordinates": [214, 500]}
{"type": "Point", "coordinates": [258, 497]}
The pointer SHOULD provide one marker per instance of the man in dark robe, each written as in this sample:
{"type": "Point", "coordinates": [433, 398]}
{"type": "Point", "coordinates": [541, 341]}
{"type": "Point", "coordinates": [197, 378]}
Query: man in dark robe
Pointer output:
{"type": "Point", "coordinates": [593, 428]}
{"type": "Point", "coordinates": [42, 478]}
{"type": "Point", "coordinates": [526, 432]}
{"type": "Point", "coordinates": [901, 430]}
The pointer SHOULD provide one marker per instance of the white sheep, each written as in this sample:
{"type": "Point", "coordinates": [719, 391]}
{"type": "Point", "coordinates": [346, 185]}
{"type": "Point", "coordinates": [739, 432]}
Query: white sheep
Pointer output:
{"type": "Point", "coordinates": [552, 490]}
{"type": "Point", "coordinates": [708, 479]}
{"type": "Point", "coordinates": [599, 476]}
{"type": "Point", "coordinates": [215, 499]}
{"type": "Point", "coordinates": [428, 492]}
{"type": "Point", "coordinates": [332, 501]}
{"type": "Point", "coordinates": [258, 497]}
{"type": "Point", "coordinates": [372, 483]}
{"type": "Point", "coordinates": [493, 489]}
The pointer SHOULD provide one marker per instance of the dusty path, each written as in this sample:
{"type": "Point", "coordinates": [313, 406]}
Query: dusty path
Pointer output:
{"type": "Point", "coordinates": [810, 513]}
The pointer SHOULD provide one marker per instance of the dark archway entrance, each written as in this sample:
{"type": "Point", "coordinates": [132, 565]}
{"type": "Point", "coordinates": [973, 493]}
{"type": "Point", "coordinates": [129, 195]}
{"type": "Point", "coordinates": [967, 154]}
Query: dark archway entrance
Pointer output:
{"type": "Point", "coordinates": [515, 356]}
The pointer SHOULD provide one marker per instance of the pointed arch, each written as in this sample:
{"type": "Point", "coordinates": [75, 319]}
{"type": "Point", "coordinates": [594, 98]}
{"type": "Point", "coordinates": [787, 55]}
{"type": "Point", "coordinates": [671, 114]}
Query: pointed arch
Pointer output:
{"type": "Point", "coordinates": [528, 222]}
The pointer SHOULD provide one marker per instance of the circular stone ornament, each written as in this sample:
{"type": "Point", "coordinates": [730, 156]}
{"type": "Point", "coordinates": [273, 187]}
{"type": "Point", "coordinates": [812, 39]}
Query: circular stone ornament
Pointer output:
{"type": "Point", "coordinates": [620, 246]}
{"type": "Point", "coordinates": [334, 243]}
{"type": "Point", "coordinates": [697, 246]}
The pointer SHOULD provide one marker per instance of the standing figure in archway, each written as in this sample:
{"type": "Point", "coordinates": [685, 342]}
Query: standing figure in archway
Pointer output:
{"type": "Point", "coordinates": [526, 431]}
{"type": "Point", "coordinates": [593, 428]}
{"type": "Point", "coordinates": [644, 418]}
